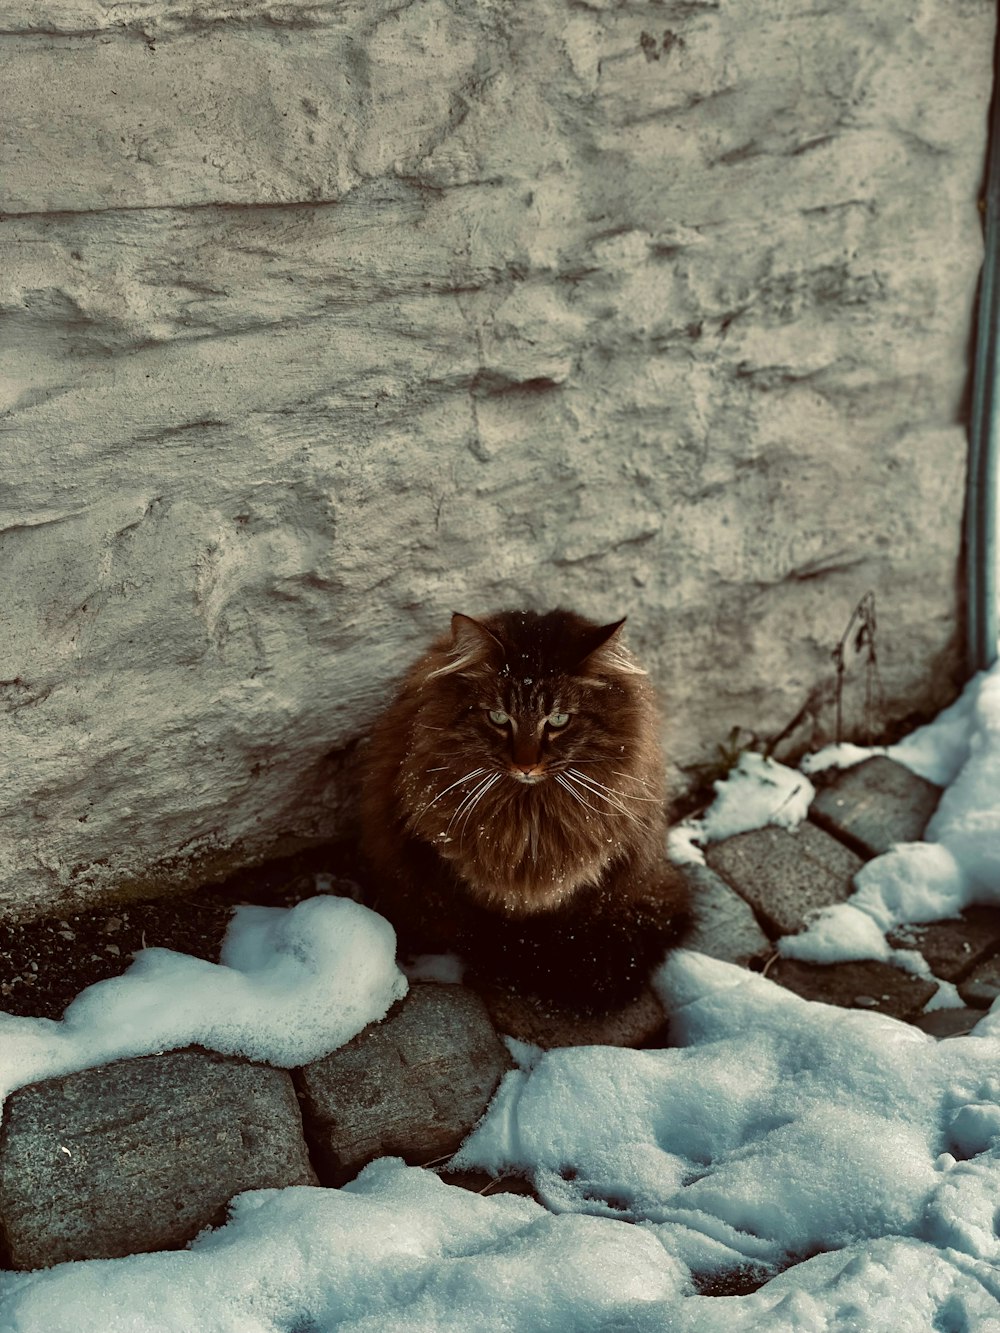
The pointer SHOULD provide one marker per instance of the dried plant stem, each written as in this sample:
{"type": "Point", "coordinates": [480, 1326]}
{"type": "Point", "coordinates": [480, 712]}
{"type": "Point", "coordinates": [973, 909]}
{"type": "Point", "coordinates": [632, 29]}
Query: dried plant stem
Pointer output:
{"type": "Point", "coordinates": [862, 627]}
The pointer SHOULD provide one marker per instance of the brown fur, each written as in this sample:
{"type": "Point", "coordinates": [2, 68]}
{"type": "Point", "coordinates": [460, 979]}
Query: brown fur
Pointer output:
{"type": "Point", "coordinates": [558, 883]}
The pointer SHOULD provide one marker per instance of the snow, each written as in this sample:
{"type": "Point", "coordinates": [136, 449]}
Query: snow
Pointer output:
{"type": "Point", "coordinates": [777, 1129]}
{"type": "Point", "coordinates": [847, 1161]}
{"type": "Point", "coordinates": [837, 934]}
{"type": "Point", "coordinates": [293, 985]}
{"type": "Point", "coordinates": [843, 755]}
{"type": "Point", "coordinates": [956, 866]}
{"type": "Point", "coordinates": [682, 844]}
{"type": "Point", "coordinates": [396, 1249]}
{"type": "Point", "coordinates": [937, 751]}
{"type": "Point", "coordinates": [774, 1128]}
{"type": "Point", "coordinates": [757, 791]}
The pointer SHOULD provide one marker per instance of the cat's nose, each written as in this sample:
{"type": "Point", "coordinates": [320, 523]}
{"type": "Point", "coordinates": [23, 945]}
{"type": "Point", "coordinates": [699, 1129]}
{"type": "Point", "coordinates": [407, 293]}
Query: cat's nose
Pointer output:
{"type": "Point", "coordinates": [525, 753]}
{"type": "Point", "coordinates": [528, 772]}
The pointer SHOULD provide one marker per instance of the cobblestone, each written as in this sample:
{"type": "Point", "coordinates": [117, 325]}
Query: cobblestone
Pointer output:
{"type": "Point", "coordinates": [640, 1023]}
{"type": "Point", "coordinates": [982, 986]}
{"type": "Point", "coordinates": [411, 1086]}
{"type": "Point", "coordinates": [948, 1022]}
{"type": "Point", "coordinates": [141, 1154]}
{"type": "Point", "coordinates": [724, 923]}
{"type": "Point", "coordinates": [953, 948]}
{"type": "Point", "coordinates": [875, 805]}
{"type": "Point", "coordinates": [785, 876]}
{"type": "Point", "coordinates": [856, 985]}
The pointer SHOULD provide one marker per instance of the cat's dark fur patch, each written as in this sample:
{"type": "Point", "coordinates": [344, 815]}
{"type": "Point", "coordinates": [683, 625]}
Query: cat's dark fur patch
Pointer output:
{"type": "Point", "coordinates": [513, 808]}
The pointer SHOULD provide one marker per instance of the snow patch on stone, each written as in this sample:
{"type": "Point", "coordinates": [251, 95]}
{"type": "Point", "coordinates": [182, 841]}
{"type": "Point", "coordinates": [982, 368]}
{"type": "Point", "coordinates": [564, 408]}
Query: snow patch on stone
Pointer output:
{"type": "Point", "coordinates": [293, 985]}
{"type": "Point", "coordinates": [958, 864]}
{"type": "Point", "coordinates": [757, 792]}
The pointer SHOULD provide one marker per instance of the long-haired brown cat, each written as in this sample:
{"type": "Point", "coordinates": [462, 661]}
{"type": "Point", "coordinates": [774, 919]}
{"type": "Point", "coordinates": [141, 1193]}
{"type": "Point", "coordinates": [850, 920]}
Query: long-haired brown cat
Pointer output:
{"type": "Point", "coordinates": [513, 808]}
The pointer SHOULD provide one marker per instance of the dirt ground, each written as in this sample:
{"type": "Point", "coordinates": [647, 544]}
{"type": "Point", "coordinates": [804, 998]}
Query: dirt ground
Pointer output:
{"type": "Point", "coordinates": [45, 963]}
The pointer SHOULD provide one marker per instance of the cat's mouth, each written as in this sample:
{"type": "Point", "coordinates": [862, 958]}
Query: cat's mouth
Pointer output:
{"type": "Point", "coordinates": [529, 777]}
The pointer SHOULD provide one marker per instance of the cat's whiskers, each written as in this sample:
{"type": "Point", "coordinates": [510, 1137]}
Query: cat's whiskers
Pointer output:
{"type": "Point", "coordinates": [465, 818]}
{"type": "Point", "coordinates": [617, 772]}
{"type": "Point", "coordinates": [609, 795]}
{"type": "Point", "coordinates": [568, 786]}
{"type": "Point", "coordinates": [465, 778]}
{"type": "Point", "coordinates": [616, 791]}
{"type": "Point", "coordinates": [571, 764]}
{"type": "Point", "coordinates": [469, 802]}
{"type": "Point", "coordinates": [634, 777]}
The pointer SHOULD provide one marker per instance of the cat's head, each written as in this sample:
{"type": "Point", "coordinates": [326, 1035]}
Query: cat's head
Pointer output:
{"type": "Point", "coordinates": [537, 695]}
{"type": "Point", "coordinates": [525, 748]}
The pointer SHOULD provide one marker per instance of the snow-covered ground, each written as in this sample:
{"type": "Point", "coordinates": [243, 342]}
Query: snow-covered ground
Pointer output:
{"type": "Point", "coordinates": [850, 1154]}
{"type": "Point", "coordinates": [957, 865]}
{"type": "Point", "coordinates": [292, 985]}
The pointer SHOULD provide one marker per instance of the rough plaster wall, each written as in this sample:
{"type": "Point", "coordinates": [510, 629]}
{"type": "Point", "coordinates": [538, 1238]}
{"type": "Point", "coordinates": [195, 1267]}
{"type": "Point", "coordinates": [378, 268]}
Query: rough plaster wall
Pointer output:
{"type": "Point", "coordinates": [321, 319]}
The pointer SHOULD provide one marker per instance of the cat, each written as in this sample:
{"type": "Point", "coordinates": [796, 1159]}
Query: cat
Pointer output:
{"type": "Point", "coordinates": [513, 808]}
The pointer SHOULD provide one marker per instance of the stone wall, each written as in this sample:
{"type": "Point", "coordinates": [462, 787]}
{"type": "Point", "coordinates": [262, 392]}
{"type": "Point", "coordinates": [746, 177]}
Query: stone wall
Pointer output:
{"type": "Point", "coordinates": [321, 319]}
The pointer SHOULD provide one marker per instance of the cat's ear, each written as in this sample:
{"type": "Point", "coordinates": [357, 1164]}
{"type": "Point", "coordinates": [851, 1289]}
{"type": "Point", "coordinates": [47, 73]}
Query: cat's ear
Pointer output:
{"type": "Point", "coordinates": [471, 639]}
{"type": "Point", "coordinates": [472, 645]}
{"type": "Point", "coordinates": [604, 652]}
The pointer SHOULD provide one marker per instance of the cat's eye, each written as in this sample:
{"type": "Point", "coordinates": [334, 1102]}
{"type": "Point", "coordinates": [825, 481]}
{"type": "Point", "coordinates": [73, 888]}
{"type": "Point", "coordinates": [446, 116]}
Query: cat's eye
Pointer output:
{"type": "Point", "coordinates": [498, 717]}
{"type": "Point", "coordinates": [557, 720]}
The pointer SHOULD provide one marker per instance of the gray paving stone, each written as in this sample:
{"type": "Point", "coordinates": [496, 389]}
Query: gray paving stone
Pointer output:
{"type": "Point", "coordinates": [783, 875]}
{"type": "Point", "coordinates": [141, 1154]}
{"type": "Point", "coordinates": [481, 1182]}
{"type": "Point", "coordinates": [724, 924]}
{"type": "Point", "coordinates": [952, 948]}
{"type": "Point", "coordinates": [982, 986]}
{"type": "Point", "coordinates": [875, 805]}
{"type": "Point", "coordinates": [948, 1022]}
{"type": "Point", "coordinates": [864, 985]}
{"type": "Point", "coordinates": [411, 1086]}
{"type": "Point", "coordinates": [640, 1023]}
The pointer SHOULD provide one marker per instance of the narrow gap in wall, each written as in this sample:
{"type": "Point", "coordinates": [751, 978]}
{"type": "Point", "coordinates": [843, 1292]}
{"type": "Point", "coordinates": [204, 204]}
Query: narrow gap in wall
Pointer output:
{"type": "Point", "coordinates": [982, 553]}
